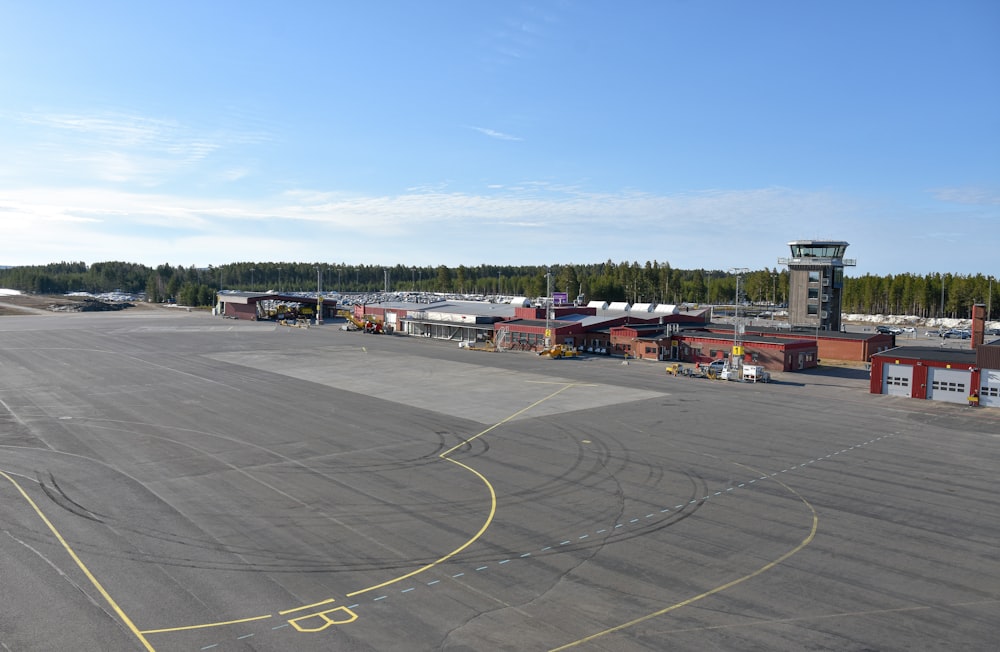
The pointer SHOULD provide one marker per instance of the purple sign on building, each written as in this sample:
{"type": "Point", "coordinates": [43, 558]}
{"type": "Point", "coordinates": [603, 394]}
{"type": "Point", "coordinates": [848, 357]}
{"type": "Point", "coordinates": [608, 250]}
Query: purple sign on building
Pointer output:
{"type": "Point", "coordinates": [560, 298]}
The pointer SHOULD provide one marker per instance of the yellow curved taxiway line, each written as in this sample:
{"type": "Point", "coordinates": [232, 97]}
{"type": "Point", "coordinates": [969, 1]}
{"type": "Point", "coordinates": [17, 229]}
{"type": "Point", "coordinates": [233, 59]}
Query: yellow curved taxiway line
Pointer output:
{"type": "Point", "coordinates": [445, 456]}
{"type": "Point", "coordinates": [493, 495]}
{"type": "Point", "coordinates": [83, 567]}
{"type": "Point", "coordinates": [728, 585]}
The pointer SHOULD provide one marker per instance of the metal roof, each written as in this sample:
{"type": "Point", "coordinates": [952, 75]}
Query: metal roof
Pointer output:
{"type": "Point", "coordinates": [803, 333]}
{"type": "Point", "coordinates": [962, 357]}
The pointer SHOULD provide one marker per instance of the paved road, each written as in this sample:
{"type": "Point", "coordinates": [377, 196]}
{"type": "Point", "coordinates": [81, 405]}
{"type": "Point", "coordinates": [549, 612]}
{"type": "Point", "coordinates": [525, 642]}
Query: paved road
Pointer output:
{"type": "Point", "coordinates": [174, 481]}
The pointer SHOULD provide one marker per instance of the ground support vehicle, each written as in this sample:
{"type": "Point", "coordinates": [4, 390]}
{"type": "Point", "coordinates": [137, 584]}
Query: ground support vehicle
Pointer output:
{"type": "Point", "coordinates": [487, 345]}
{"type": "Point", "coordinates": [754, 373]}
{"type": "Point", "coordinates": [558, 351]}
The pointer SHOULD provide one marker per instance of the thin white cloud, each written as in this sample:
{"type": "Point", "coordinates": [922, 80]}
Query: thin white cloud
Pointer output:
{"type": "Point", "coordinates": [113, 128]}
{"type": "Point", "coordinates": [492, 133]}
{"type": "Point", "coordinates": [444, 228]}
{"type": "Point", "coordinates": [126, 148]}
{"type": "Point", "coordinates": [971, 195]}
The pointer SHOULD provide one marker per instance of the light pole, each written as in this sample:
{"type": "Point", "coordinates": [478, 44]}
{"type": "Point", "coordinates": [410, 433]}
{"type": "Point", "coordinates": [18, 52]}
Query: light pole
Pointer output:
{"type": "Point", "coordinates": [252, 270]}
{"type": "Point", "coordinates": [319, 295]}
{"type": "Point", "coordinates": [989, 300]}
{"type": "Point", "coordinates": [942, 295]}
{"type": "Point", "coordinates": [737, 325]}
{"type": "Point", "coordinates": [548, 307]}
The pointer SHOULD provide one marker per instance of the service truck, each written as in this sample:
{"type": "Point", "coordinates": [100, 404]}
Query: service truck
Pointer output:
{"type": "Point", "coordinates": [755, 373]}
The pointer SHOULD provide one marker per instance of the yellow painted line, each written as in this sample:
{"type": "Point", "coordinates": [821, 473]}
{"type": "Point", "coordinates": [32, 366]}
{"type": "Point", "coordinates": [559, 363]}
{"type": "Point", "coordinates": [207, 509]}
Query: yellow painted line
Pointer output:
{"type": "Point", "coordinates": [728, 585]}
{"type": "Point", "coordinates": [205, 625]}
{"type": "Point", "coordinates": [489, 520]}
{"type": "Point", "coordinates": [831, 616]}
{"type": "Point", "coordinates": [308, 606]}
{"type": "Point", "coordinates": [493, 496]}
{"type": "Point", "coordinates": [83, 567]}
{"type": "Point", "coordinates": [513, 416]}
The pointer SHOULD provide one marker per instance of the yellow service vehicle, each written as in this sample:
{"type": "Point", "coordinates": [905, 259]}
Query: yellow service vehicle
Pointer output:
{"type": "Point", "coordinates": [559, 351]}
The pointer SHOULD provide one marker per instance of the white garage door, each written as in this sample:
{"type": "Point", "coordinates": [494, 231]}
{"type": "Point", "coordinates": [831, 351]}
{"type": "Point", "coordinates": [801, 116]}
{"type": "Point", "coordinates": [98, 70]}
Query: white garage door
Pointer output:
{"type": "Point", "coordinates": [989, 392]}
{"type": "Point", "coordinates": [897, 379]}
{"type": "Point", "coordinates": [948, 385]}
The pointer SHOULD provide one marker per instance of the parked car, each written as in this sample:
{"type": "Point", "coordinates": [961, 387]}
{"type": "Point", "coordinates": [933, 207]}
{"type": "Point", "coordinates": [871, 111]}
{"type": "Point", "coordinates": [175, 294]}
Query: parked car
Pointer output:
{"type": "Point", "coordinates": [957, 334]}
{"type": "Point", "coordinates": [888, 330]}
{"type": "Point", "coordinates": [717, 365]}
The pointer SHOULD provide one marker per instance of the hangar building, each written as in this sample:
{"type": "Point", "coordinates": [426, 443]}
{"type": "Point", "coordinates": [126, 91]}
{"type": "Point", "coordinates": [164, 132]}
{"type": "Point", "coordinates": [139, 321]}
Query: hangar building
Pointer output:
{"type": "Point", "coordinates": [964, 376]}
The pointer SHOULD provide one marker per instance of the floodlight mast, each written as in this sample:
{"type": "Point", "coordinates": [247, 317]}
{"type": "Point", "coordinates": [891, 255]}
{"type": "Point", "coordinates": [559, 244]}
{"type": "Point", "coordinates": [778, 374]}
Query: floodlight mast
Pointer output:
{"type": "Point", "coordinates": [548, 307]}
{"type": "Point", "coordinates": [738, 330]}
{"type": "Point", "coordinates": [319, 295]}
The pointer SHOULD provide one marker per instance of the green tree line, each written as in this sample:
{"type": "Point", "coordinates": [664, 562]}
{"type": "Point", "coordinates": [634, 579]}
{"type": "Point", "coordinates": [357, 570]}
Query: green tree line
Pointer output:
{"type": "Point", "coordinates": [931, 295]}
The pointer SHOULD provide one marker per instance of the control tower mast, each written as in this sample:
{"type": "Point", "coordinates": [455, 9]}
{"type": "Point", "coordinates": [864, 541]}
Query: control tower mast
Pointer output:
{"type": "Point", "coordinates": [816, 282]}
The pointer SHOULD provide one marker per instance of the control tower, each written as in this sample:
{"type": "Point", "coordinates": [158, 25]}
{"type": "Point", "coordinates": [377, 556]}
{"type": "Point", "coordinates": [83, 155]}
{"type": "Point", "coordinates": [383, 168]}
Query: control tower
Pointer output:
{"type": "Point", "coordinates": [816, 282]}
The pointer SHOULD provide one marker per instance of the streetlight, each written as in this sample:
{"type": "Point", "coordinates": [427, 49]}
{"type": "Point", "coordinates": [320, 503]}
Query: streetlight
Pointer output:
{"type": "Point", "coordinates": [989, 299]}
{"type": "Point", "coordinates": [942, 295]}
{"type": "Point", "coordinates": [319, 295]}
{"type": "Point", "coordinates": [737, 326]}
{"type": "Point", "coordinates": [252, 270]}
{"type": "Point", "coordinates": [548, 307]}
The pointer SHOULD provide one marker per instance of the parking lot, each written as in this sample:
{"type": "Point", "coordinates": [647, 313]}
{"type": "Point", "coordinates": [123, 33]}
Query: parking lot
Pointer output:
{"type": "Point", "coordinates": [180, 482]}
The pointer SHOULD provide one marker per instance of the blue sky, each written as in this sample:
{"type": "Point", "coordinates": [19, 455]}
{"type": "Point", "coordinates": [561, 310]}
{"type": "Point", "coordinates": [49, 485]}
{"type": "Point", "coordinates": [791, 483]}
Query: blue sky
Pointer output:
{"type": "Point", "coordinates": [704, 134]}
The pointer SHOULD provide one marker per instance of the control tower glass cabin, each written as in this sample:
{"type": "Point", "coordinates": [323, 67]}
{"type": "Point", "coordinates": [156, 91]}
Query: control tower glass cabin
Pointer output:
{"type": "Point", "coordinates": [816, 282]}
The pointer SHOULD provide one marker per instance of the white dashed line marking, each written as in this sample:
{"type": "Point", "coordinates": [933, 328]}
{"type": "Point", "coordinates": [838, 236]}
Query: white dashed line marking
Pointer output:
{"type": "Point", "coordinates": [603, 530]}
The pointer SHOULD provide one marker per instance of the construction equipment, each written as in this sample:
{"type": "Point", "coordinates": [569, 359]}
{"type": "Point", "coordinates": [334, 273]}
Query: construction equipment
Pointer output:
{"type": "Point", "coordinates": [367, 324]}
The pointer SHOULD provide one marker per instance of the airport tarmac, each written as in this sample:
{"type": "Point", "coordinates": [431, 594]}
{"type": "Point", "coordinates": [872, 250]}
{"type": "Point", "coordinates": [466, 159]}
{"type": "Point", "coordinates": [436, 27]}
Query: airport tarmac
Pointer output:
{"type": "Point", "coordinates": [177, 481]}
